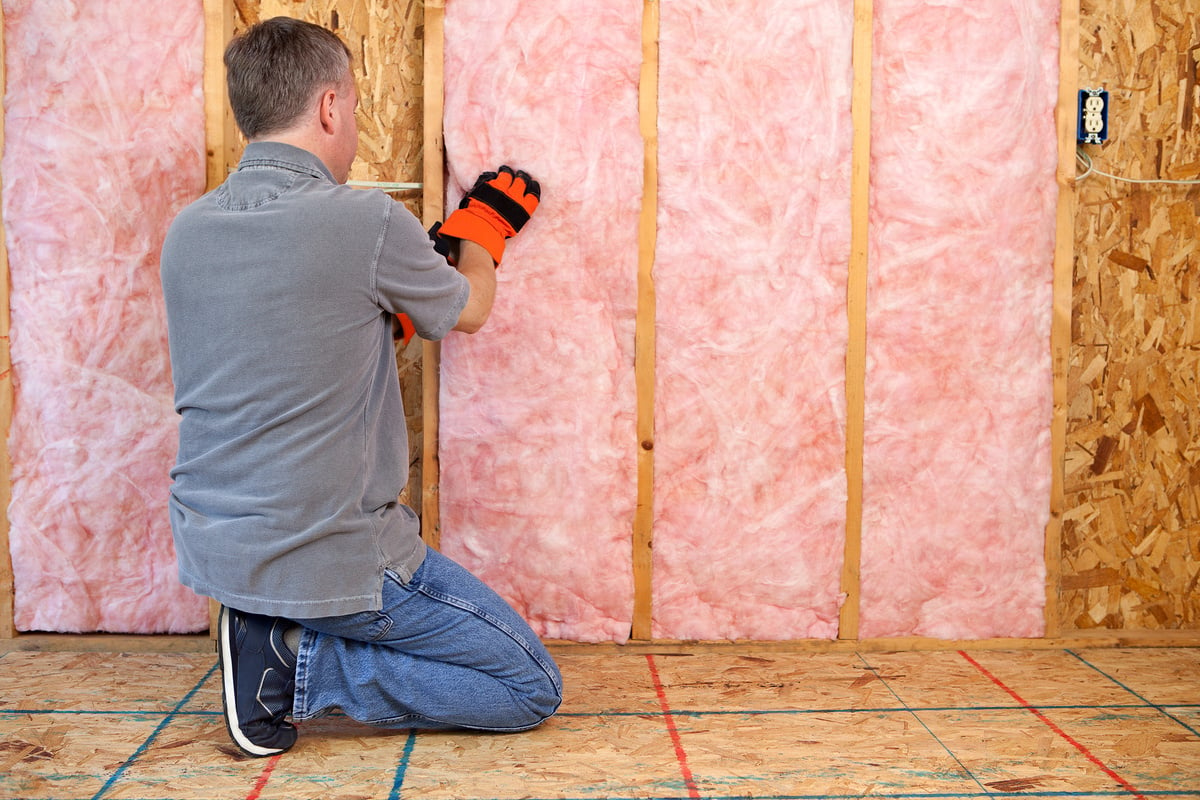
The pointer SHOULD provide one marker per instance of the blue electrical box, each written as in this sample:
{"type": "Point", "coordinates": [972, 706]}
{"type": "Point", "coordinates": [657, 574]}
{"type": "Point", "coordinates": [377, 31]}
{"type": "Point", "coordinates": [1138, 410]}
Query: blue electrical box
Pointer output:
{"type": "Point", "coordinates": [1092, 125]}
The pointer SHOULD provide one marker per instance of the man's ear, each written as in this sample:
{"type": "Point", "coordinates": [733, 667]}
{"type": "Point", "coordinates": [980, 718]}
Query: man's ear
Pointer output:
{"type": "Point", "coordinates": [328, 97]}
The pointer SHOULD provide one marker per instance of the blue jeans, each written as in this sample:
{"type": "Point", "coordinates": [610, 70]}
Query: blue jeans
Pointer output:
{"type": "Point", "coordinates": [445, 651]}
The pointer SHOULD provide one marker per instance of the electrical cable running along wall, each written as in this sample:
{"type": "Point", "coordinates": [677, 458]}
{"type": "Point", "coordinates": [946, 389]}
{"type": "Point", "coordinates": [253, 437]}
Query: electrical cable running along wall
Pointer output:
{"type": "Point", "coordinates": [753, 249]}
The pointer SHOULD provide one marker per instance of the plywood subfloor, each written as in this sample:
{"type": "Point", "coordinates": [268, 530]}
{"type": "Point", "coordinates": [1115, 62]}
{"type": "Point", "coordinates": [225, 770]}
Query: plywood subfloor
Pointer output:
{"type": "Point", "coordinates": [1077, 724]}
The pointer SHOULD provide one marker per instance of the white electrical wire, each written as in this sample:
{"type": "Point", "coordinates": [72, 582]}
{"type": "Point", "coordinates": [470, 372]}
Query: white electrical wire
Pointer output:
{"type": "Point", "coordinates": [386, 185]}
{"type": "Point", "coordinates": [1090, 169]}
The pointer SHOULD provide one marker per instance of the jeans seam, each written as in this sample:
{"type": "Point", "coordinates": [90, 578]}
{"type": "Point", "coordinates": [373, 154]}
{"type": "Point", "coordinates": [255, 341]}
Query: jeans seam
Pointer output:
{"type": "Point", "coordinates": [527, 688]}
{"type": "Point", "coordinates": [300, 693]}
{"type": "Point", "coordinates": [389, 623]}
{"type": "Point", "coordinates": [499, 624]}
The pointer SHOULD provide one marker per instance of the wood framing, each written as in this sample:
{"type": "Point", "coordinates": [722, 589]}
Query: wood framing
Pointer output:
{"type": "Point", "coordinates": [222, 143]}
{"type": "Point", "coordinates": [856, 312]}
{"type": "Point", "coordinates": [221, 135]}
{"type": "Point", "coordinates": [1122, 563]}
{"type": "Point", "coordinates": [644, 341]}
{"type": "Point", "coordinates": [7, 626]}
{"type": "Point", "coordinates": [434, 211]}
{"type": "Point", "coordinates": [1060, 332]}
{"type": "Point", "coordinates": [57, 642]}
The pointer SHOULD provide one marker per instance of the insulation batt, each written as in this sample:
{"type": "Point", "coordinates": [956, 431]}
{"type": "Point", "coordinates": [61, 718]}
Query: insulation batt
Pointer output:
{"type": "Point", "coordinates": [957, 456]}
{"type": "Point", "coordinates": [754, 144]}
{"type": "Point", "coordinates": [104, 142]}
{"type": "Point", "coordinates": [750, 274]}
{"type": "Point", "coordinates": [538, 470]}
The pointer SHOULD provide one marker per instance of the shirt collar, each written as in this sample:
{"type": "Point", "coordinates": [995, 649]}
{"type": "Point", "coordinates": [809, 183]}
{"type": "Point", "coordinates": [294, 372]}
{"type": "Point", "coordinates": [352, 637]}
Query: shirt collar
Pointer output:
{"type": "Point", "coordinates": [278, 155]}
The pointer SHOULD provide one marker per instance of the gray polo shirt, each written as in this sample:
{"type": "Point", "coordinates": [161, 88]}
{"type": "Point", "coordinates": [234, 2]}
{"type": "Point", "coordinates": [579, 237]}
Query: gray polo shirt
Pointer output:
{"type": "Point", "coordinates": [280, 289]}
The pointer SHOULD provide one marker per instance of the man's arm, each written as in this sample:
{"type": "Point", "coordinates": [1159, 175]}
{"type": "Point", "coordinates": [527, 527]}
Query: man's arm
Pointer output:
{"type": "Point", "coordinates": [477, 267]}
{"type": "Point", "coordinates": [496, 208]}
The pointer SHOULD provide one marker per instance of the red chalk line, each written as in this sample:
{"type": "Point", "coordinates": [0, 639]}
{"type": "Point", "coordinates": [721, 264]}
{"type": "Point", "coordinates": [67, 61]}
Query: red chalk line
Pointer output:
{"type": "Point", "coordinates": [680, 753]}
{"type": "Point", "coordinates": [1126, 785]}
{"type": "Point", "coordinates": [265, 776]}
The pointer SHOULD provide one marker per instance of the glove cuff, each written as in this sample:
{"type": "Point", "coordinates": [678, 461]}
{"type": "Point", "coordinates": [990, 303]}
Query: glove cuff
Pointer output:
{"type": "Point", "coordinates": [466, 223]}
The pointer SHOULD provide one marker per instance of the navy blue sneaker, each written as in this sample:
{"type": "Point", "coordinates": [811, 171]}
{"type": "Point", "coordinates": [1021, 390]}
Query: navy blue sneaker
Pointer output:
{"type": "Point", "coordinates": [258, 681]}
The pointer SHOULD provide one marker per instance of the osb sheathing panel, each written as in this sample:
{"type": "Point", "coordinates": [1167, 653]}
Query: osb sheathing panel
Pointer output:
{"type": "Point", "coordinates": [385, 38]}
{"type": "Point", "coordinates": [1131, 532]}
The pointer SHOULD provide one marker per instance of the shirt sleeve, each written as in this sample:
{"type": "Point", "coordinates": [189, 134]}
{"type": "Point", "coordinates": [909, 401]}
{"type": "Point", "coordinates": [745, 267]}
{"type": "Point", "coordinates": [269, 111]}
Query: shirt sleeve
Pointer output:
{"type": "Point", "coordinates": [413, 279]}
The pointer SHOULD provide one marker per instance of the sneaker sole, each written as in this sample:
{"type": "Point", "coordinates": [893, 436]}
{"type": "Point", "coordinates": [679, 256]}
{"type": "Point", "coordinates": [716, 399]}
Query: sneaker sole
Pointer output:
{"type": "Point", "coordinates": [225, 640]}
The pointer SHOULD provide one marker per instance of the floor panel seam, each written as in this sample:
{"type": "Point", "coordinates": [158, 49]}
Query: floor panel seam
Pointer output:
{"type": "Point", "coordinates": [1079, 746]}
{"type": "Point", "coordinates": [153, 735]}
{"type": "Point", "coordinates": [966, 771]}
{"type": "Point", "coordinates": [1162, 709]}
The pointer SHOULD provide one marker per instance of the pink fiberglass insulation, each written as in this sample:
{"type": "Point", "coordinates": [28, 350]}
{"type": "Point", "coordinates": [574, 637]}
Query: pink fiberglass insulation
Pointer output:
{"type": "Point", "coordinates": [538, 472]}
{"type": "Point", "coordinates": [957, 458]}
{"type": "Point", "coordinates": [750, 275]}
{"type": "Point", "coordinates": [104, 142]}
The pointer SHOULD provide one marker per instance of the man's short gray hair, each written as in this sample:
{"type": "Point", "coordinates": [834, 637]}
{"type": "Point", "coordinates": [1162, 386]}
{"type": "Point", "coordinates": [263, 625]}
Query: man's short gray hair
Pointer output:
{"type": "Point", "coordinates": [274, 69]}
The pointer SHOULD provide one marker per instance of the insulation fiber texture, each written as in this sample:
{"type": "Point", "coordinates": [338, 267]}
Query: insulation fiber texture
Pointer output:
{"type": "Point", "coordinates": [750, 276]}
{"type": "Point", "coordinates": [104, 142]}
{"type": "Point", "coordinates": [958, 388]}
{"type": "Point", "coordinates": [538, 472]}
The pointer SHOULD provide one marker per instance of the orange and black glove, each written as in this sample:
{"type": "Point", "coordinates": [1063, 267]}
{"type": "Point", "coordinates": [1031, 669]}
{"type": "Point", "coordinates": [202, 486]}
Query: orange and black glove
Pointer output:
{"type": "Point", "coordinates": [496, 208]}
{"type": "Point", "coordinates": [403, 329]}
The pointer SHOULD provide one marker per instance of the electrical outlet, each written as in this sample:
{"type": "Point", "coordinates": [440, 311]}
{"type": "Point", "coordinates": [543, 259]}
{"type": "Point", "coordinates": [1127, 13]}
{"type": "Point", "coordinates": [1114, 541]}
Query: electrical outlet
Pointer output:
{"type": "Point", "coordinates": [1093, 116]}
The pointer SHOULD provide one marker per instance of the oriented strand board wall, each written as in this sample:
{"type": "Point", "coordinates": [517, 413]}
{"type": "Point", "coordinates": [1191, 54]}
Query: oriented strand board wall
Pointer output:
{"type": "Point", "coordinates": [1131, 532]}
{"type": "Point", "coordinates": [385, 38]}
